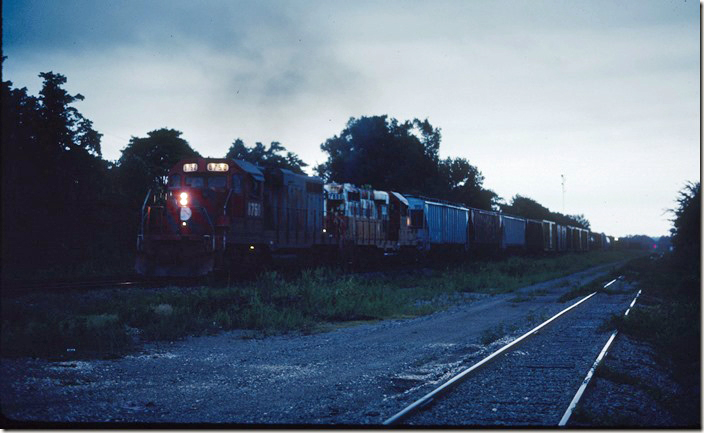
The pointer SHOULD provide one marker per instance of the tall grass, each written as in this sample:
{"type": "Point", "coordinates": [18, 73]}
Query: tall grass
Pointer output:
{"type": "Point", "coordinates": [111, 322]}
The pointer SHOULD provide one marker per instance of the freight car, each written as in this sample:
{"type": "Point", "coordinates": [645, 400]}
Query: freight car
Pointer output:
{"type": "Point", "coordinates": [513, 233]}
{"type": "Point", "coordinates": [484, 232]}
{"type": "Point", "coordinates": [220, 214]}
{"type": "Point", "coordinates": [437, 226]}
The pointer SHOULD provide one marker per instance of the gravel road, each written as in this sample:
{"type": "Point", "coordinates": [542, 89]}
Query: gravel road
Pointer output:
{"type": "Point", "coordinates": [357, 375]}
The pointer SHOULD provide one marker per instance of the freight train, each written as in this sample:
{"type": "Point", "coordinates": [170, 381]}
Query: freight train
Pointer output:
{"type": "Point", "coordinates": [220, 214]}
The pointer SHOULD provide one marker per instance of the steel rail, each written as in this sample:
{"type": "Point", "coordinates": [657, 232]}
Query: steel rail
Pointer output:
{"type": "Point", "coordinates": [67, 285]}
{"type": "Point", "coordinates": [19, 289]}
{"type": "Point", "coordinates": [426, 399]}
{"type": "Point", "coordinates": [573, 404]}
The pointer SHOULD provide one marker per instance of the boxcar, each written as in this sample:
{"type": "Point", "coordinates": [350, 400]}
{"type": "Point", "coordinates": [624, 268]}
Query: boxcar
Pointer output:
{"type": "Point", "coordinates": [561, 234]}
{"type": "Point", "coordinates": [484, 231]}
{"type": "Point", "coordinates": [534, 236]}
{"type": "Point", "coordinates": [569, 238]}
{"type": "Point", "coordinates": [585, 240]}
{"type": "Point", "coordinates": [549, 236]}
{"type": "Point", "coordinates": [513, 233]}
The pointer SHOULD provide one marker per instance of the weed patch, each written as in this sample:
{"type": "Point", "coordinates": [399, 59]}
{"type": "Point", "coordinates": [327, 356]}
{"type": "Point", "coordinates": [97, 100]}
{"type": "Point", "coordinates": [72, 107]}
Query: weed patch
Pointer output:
{"type": "Point", "coordinates": [492, 334]}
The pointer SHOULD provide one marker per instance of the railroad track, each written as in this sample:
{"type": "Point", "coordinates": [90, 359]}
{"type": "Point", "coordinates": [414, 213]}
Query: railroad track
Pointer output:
{"type": "Point", "coordinates": [538, 385]}
{"type": "Point", "coordinates": [22, 288]}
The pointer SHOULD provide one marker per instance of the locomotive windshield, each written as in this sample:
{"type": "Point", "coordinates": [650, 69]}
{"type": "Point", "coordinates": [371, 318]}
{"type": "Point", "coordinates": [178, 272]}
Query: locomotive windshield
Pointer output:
{"type": "Point", "coordinates": [217, 182]}
{"type": "Point", "coordinates": [194, 181]}
{"type": "Point", "coordinates": [175, 181]}
{"type": "Point", "coordinates": [237, 183]}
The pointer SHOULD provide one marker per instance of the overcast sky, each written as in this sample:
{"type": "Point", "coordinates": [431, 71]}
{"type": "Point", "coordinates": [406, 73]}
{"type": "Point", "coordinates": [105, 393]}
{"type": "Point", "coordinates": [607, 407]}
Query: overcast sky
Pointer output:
{"type": "Point", "coordinates": [604, 92]}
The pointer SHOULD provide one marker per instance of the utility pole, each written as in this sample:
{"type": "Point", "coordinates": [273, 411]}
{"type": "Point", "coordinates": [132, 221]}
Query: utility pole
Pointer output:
{"type": "Point", "coordinates": [563, 193]}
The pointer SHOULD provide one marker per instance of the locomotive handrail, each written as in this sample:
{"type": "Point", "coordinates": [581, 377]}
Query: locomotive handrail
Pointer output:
{"type": "Point", "coordinates": [212, 227]}
{"type": "Point", "coordinates": [227, 201]}
{"type": "Point", "coordinates": [207, 216]}
{"type": "Point", "coordinates": [144, 205]}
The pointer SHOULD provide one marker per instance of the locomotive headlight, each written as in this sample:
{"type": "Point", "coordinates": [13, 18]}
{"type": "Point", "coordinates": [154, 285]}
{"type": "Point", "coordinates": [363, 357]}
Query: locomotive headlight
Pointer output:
{"type": "Point", "coordinates": [183, 199]}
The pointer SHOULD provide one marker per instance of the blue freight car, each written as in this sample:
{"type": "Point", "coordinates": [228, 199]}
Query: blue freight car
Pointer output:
{"type": "Point", "coordinates": [513, 233]}
{"type": "Point", "coordinates": [436, 224]}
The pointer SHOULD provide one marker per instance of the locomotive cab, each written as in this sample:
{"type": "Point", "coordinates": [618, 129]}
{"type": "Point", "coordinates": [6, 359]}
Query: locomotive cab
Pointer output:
{"type": "Point", "coordinates": [207, 201]}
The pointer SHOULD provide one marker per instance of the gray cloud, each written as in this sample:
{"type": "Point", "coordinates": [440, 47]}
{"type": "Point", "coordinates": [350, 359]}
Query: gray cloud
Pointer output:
{"type": "Point", "coordinates": [602, 91]}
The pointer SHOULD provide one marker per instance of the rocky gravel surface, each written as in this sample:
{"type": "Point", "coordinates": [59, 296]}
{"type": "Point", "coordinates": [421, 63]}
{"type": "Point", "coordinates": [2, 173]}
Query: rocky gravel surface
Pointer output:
{"type": "Point", "coordinates": [358, 375]}
{"type": "Point", "coordinates": [609, 403]}
{"type": "Point", "coordinates": [533, 384]}
{"type": "Point", "coordinates": [638, 391]}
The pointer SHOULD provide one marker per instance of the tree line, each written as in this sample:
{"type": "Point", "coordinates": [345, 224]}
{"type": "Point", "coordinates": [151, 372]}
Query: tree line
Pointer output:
{"type": "Point", "coordinates": [66, 207]}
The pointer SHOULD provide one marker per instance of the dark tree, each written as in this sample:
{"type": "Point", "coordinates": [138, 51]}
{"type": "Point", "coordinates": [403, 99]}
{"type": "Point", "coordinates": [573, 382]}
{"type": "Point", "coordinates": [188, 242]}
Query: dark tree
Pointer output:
{"type": "Point", "coordinates": [384, 153]}
{"type": "Point", "coordinates": [637, 242]}
{"type": "Point", "coordinates": [402, 156]}
{"type": "Point", "coordinates": [463, 183]}
{"type": "Point", "coordinates": [529, 208]}
{"type": "Point", "coordinates": [146, 161]}
{"type": "Point", "coordinates": [686, 233]}
{"type": "Point", "coordinates": [20, 149]}
{"type": "Point", "coordinates": [580, 221]}
{"type": "Point", "coordinates": [53, 178]}
{"type": "Point", "coordinates": [63, 125]}
{"type": "Point", "coordinates": [266, 157]}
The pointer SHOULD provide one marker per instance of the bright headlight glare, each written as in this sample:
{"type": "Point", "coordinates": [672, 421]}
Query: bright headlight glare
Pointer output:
{"type": "Point", "coordinates": [184, 199]}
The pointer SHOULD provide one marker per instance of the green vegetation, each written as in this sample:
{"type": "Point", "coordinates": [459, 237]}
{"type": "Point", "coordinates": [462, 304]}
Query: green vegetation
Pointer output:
{"type": "Point", "coordinates": [668, 313]}
{"type": "Point", "coordinates": [492, 334]}
{"type": "Point", "coordinates": [110, 322]}
{"type": "Point", "coordinates": [667, 317]}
